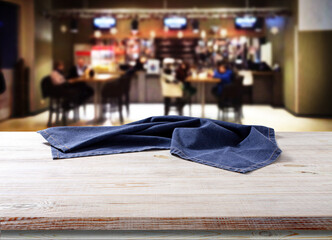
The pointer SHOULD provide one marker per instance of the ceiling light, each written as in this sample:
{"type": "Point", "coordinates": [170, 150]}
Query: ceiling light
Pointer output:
{"type": "Point", "coordinates": [203, 34]}
{"type": "Point", "coordinates": [274, 30]}
{"type": "Point", "coordinates": [180, 34]}
{"type": "Point", "coordinates": [152, 34]}
{"type": "Point", "coordinates": [97, 34]}
{"type": "Point", "coordinates": [114, 31]}
{"type": "Point", "coordinates": [223, 32]}
{"type": "Point", "coordinates": [63, 28]}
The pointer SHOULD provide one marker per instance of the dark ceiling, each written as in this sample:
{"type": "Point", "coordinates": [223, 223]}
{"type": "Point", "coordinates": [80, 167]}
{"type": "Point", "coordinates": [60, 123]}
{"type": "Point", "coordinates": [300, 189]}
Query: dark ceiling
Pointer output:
{"type": "Point", "coordinates": [169, 3]}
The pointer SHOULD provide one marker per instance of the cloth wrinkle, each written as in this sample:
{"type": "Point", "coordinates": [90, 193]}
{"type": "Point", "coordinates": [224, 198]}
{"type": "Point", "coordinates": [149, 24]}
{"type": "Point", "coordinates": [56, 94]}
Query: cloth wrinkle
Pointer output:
{"type": "Point", "coordinates": [229, 146]}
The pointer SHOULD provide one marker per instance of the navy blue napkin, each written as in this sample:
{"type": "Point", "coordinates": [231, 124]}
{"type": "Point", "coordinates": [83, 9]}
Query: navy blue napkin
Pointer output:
{"type": "Point", "coordinates": [225, 145]}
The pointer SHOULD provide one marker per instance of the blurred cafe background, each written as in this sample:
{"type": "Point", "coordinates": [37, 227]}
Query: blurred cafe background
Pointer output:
{"type": "Point", "coordinates": [104, 63]}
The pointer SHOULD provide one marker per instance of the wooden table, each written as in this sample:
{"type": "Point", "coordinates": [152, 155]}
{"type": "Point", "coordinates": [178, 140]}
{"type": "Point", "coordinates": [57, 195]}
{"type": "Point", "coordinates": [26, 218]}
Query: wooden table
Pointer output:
{"type": "Point", "coordinates": [97, 82]}
{"type": "Point", "coordinates": [202, 80]}
{"type": "Point", "coordinates": [154, 190]}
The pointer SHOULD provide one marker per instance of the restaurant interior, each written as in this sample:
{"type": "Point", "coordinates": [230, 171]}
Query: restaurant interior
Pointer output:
{"type": "Point", "coordinates": [105, 63]}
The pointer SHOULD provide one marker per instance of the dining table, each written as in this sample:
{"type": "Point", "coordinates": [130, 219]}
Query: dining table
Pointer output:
{"type": "Point", "coordinates": [202, 79]}
{"type": "Point", "coordinates": [155, 190]}
{"type": "Point", "coordinates": [97, 81]}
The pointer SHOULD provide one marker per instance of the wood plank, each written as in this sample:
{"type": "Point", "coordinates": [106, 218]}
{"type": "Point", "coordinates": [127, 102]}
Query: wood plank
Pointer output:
{"type": "Point", "coordinates": [169, 234]}
{"type": "Point", "coordinates": [154, 190]}
{"type": "Point", "coordinates": [192, 223]}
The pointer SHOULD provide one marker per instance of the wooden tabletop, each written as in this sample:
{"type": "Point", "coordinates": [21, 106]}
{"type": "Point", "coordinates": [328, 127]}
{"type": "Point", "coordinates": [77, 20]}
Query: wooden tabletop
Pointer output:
{"type": "Point", "coordinates": [154, 190]}
{"type": "Point", "coordinates": [206, 79]}
{"type": "Point", "coordinates": [104, 77]}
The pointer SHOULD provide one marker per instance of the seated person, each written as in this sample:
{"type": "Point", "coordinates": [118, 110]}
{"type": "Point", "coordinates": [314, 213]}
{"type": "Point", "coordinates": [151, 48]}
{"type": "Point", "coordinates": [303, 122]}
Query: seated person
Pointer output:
{"type": "Point", "coordinates": [78, 71]}
{"type": "Point", "coordinates": [65, 90]}
{"type": "Point", "coordinates": [73, 93]}
{"type": "Point", "coordinates": [57, 75]}
{"type": "Point", "coordinates": [225, 75]}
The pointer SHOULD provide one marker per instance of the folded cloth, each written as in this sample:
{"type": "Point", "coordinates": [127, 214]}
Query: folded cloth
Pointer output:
{"type": "Point", "coordinates": [225, 145]}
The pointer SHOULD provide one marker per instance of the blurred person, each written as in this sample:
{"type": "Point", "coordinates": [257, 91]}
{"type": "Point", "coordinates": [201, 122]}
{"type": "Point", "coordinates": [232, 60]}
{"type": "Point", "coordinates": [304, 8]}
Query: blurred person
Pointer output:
{"type": "Point", "coordinates": [217, 57]}
{"type": "Point", "coordinates": [69, 95]}
{"type": "Point", "coordinates": [182, 74]}
{"type": "Point", "coordinates": [171, 89]}
{"type": "Point", "coordinates": [201, 53]}
{"type": "Point", "coordinates": [139, 64]}
{"type": "Point", "coordinates": [182, 71]}
{"type": "Point", "coordinates": [225, 75]}
{"type": "Point", "coordinates": [57, 75]}
{"type": "Point", "coordinates": [168, 75]}
{"type": "Point", "coordinates": [73, 92]}
{"type": "Point", "coordinates": [78, 70]}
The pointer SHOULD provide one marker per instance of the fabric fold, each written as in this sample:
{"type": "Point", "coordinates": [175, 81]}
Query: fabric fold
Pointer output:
{"type": "Point", "coordinates": [224, 145]}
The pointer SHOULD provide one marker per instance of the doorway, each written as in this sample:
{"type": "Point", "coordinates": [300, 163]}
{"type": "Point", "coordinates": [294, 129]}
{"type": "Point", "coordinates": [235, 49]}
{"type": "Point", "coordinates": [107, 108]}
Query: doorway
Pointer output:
{"type": "Point", "coordinates": [8, 53]}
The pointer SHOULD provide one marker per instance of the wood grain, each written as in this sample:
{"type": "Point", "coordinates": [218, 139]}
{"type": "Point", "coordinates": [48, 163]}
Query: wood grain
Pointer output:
{"type": "Point", "coordinates": [154, 190]}
{"type": "Point", "coordinates": [147, 223]}
{"type": "Point", "coordinates": [168, 234]}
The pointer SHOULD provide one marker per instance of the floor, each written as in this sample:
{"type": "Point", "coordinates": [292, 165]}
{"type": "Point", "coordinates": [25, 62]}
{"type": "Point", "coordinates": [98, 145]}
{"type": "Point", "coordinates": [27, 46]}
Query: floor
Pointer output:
{"type": "Point", "coordinates": [277, 118]}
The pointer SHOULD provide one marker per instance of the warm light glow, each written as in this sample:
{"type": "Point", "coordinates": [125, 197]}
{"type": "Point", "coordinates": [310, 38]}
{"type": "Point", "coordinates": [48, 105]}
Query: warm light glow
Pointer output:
{"type": "Point", "coordinates": [234, 41]}
{"type": "Point", "coordinates": [63, 28]}
{"type": "Point", "coordinates": [97, 34]}
{"type": "Point", "coordinates": [152, 34]}
{"type": "Point", "coordinates": [243, 40]}
{"type": "Point", "coordinates": [143, 59]}
{"type": "Point", "coordinates": [203, 34]}
{"type": "Point", "coordinates": [224, 15]}
{"type": "Point", "coordinates": [223, 32]}
{"type": "Point", "coordinates": [166, 29]}
{"type": "Point", "coordinates": [134, 32]}
{"type": "Point", "coordinates": [114, 31]}
{"type": "Point", "coordinates": [180, 34]}
{"type": "Point", "coordinates": [274, 30]}
{"type": "Point", "coordinates": [214, 29]}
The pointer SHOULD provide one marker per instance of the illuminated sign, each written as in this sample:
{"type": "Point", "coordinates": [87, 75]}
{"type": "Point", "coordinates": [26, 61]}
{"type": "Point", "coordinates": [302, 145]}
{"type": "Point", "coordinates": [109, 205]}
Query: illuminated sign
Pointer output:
{"type": "Point", "coordinates": [175, 22]}
{"type": "Point", "coordinates": [246, 22]}
{"type": "Point", "coordinates": [104, 22]}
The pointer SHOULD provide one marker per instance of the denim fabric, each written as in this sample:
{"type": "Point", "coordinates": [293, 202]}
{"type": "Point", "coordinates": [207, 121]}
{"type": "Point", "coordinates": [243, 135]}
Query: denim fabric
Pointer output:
{"type": "Point", "coordinates": [229, 146]}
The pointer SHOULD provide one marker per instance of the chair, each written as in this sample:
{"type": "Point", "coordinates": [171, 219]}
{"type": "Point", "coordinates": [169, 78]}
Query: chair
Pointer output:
{"type": "Point", "coordinates": [188, 93]}
{"type": "Point", "coordinates": [49, 91]}
{"type": "Point", "coordinates": [126, 85]}
{"type": "Point", "coordinates": [113, 93]}
{"type": "Point", "coordinates": [172, 90]}
{"type": "Point", "coordinates": [231, 98]}
{"type": "Point", "coordinates": [60, 101]}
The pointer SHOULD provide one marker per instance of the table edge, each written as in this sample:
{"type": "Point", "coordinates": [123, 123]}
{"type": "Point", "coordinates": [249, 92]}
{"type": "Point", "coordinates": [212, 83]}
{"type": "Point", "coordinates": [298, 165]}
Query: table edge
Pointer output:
{"type": "Point", "coordinates": [179, 223]}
